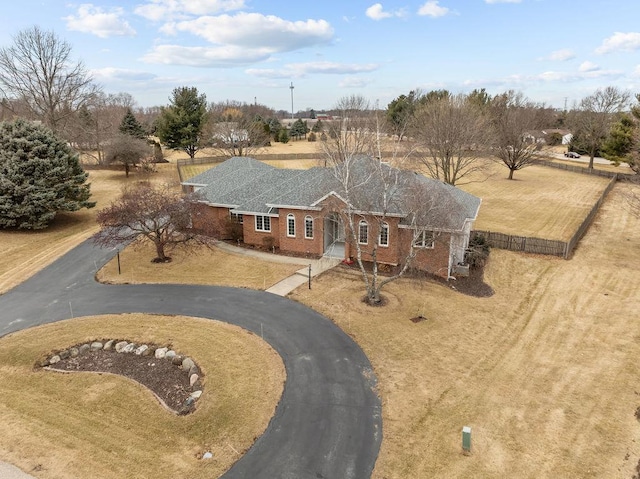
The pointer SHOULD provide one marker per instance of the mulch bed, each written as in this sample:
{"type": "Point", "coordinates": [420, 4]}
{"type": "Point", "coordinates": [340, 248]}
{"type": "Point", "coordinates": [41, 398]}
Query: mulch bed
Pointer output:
{"type": "Point", "coordinates": [166, 380]}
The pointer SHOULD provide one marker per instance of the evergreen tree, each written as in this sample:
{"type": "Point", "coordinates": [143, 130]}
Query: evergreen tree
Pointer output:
{"type": "Point", "coordinates": [39, 176]}
{"type": "Point", "coordinates": [180, 124]}
{"type": "Point", "coordinates": [131, 126]}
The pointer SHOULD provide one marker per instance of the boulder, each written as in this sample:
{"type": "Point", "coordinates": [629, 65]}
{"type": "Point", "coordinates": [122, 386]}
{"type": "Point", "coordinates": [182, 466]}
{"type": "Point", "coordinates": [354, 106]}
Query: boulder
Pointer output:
{"type": "Point", "coordinates": [108, 346]}
{"type": "Point", "coordinates": [170, 354]}
{"type": "Point", "coordinates": [120, 346]}
{"type": "Point", "coordinates": [129, 348]}
{"type": "Point", "coordinates": [96, 346]}
{"type": "Point", "coordinates": [177, 360]}
{"type": "Point", "coordinates": [64, 354]}
{"type": "Point", "coordinates": [54, 359]}
{"type": "Point", "coordinates": [148, 352]}
{"type": "Point", "coordinates": [84, 348]}
{"type": "Point", "coordinates": [141, 349]}
{"type": "Point", "coordinates": [73, 352]}
{"type": "Point", "coordinates": [195, 395]}
{"type": "Point", "coordinates": [193, 370]}
{"type": "Point", "coordinates": [160, 352]}
{"type": "Point", "coordinates": [193, 379]}
{"type": "Point", "coordinates": [187, 364]}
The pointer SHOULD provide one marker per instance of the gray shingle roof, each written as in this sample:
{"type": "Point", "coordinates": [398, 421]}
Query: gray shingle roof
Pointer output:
{"type": "Point", "coordinates": [252, 187]}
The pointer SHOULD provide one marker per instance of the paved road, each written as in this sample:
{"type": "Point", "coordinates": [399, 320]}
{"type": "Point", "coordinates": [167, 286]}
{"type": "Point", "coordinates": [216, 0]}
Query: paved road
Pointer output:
{"type": "Point", "coordinates": [328, 422]}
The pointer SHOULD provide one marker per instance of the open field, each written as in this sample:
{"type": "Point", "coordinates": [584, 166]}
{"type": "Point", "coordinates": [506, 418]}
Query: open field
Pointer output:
{"type": "Point", "coordinates": [540, 202]}
{"type": "Point", "coordinates": [545, 371]}
{"type": "Point", "coordinates": [69, 426]}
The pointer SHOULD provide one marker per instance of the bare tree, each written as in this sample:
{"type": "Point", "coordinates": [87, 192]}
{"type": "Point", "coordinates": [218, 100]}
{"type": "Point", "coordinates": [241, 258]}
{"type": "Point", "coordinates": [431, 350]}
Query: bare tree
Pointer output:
{"type": "Point", "coordinates": [515, 121]}
{"type": "Point", "coordinates": [38, 69]}
{"type": "Point", "coordinates": [592, 119]}
{"type": "Point", "coordinates": [352, 133]}
{"type": "Point", "coordinates": [96, 123]}
{"type": "Point", "coordinates": [372, 194]}
{"type": "Point", "coordinates": [452, 134]}
{"type": "Point", "coordinates": [238, 129]}
{"type": "Point", "coordinates": [158, 213]}
{"type": "Point", "coordinates": [128, 151]}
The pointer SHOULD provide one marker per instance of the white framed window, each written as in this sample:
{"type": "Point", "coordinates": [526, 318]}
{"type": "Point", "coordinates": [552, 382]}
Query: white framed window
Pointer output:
{"type": "Point", "coordinates": [236, 217]}
{"type": "Point", "coordinates": [308, 227]}
{"type": "Point", "coordinates": [263, 223]}
{"type": "Point", "coordinates": [291, 225]}
{"type": "Point", "coordinates": [363, 232]}
{"type": "Point", "coordinates": [424, 239]}
{"type": "Point", "coordinates": [383, 239]}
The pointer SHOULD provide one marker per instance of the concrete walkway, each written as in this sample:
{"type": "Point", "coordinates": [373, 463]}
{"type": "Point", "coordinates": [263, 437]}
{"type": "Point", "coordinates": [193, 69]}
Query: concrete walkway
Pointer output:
{"type": "Point", "coordinates": [300, 277]}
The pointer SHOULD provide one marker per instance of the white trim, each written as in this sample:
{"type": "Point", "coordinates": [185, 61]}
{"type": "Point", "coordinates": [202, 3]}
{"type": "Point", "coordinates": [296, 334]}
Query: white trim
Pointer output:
{"type": "Point", "coordinates": [291, 207]}
{"type": "Point", "coordinates": [255, 222]}
{"type": "Point", "coordinates": [360, 224]}
{"type": "Point", "coordinates": [331, 193]}
{"type": "Point", "coordinates": [292, 217]}
{"type": "Point", "coordinates": [253, 213]}
{"type": "Point", "coordinates": [384, 225]}
{"type": "Point", "coordinates": [308, 217]}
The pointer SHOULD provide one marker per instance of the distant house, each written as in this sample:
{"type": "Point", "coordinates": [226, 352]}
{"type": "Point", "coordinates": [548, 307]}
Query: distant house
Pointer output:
{"type": "Point", "coordinates": [304, 212]}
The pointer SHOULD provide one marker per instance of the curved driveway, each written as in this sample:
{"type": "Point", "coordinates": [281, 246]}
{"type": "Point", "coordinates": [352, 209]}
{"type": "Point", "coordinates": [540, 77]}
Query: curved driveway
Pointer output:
{"type": "Point", "coordinates": [328, 422]}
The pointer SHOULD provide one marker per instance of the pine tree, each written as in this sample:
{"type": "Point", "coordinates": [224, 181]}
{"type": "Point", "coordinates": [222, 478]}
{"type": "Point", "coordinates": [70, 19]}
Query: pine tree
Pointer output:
{"type": "Point", "coordinates": [131, 126]}
{"type": "Point", "coordinates": [39, 176]}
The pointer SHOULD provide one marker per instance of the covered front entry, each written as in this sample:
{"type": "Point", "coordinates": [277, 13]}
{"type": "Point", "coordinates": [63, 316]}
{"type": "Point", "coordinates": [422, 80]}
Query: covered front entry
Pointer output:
{"type": "Point", "coordinates": [334, 236]}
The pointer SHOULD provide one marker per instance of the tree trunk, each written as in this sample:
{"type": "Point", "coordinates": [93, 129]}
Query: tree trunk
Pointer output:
{"type": "Point", "coordinates": [126, 169]}
{"type": "Point", "coordinates": [592, 154]}
{"type": "Point", "coordinates": [160, 256]}
{"type": "Point", "coordinates": [511, 170]}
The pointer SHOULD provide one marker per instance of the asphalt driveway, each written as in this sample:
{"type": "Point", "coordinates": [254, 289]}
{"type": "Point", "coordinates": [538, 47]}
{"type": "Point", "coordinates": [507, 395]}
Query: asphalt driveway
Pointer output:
{"type": "Point", "coordinates": [328, 422]}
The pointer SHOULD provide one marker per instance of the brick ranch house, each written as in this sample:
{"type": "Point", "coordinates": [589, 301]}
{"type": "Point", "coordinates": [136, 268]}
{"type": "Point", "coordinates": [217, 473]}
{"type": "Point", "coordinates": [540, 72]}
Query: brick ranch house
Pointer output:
{"type": "Point", "coordinates": [304, 212]}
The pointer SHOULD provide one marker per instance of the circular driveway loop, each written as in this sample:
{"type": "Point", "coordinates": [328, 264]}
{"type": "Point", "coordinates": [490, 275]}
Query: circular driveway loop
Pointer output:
{"type": "Point", "coordinates": [328, 422]}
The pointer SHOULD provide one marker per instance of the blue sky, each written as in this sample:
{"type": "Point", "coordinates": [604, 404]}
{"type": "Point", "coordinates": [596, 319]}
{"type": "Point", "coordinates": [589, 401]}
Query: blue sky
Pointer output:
{"type": "Point", "coordinates": [250, 50]}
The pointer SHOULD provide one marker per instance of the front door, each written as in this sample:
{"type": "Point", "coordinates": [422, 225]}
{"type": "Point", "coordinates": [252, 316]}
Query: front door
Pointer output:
{"type": "Point", "coordinates": [334, 236]}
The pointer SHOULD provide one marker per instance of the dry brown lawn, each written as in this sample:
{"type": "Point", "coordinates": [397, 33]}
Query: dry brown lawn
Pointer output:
{"type": "Point", "coordinates": [201, 265]}
{"type": "Point", "coordinates": [545, 371]}
{"type": "Point", "coordinates": [69, 426]}
{"type": "Point", "coordinates": [541, 202]}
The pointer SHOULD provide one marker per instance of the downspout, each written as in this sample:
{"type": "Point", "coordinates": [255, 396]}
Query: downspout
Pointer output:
{"type": "Point", "coordinates": [450, 258]}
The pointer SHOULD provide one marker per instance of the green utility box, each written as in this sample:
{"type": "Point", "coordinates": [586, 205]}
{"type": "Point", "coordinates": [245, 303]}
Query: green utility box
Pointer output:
{"type": "Point", "coordinates": [466, 439]}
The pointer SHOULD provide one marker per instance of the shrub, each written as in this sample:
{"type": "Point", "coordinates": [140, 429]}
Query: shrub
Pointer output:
{"type": "Point", "coordinates": [311, 137]}
{"type": "Point", "coordinates": [478, 251]}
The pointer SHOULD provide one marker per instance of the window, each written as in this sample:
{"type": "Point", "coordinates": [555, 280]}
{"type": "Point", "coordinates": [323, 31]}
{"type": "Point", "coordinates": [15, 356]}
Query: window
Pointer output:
{"type": "Point", "coordinates": [424, 239]}
{"type": "Point", "coordinates": [291, 225]}
{"type": "Point", "coordinates": [263, 223]}
{"type": "Point", "coordinates": [236, 217]}
{"type": "Point", "coordinates": [363, 232]}
{"type": "Point", "coordinates": [308, 227]}
{"type": "Point", "coordinates": [383, 240]}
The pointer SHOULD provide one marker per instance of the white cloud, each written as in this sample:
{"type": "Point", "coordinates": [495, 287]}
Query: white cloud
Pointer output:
{"type": "Point", "coordinates": [561, 55]}
{"type": "Point", "coordinates": [227, 56]}
{"type": "Point", "coordinates": [377, 12]}
{"type": "Point", "coordinates": [620, 42]}
{"type": "Point", "coordinates": [166, 10]}
{"type": "Point", "coordinates": [95, 20]}
{"type": "Point", "coordinates": [502, 1]}
{"type": "Point", "coordinates": [257, 31]}
{"type": "Point", "coordinates": [432, 9]}
{"type": "Point", "coordinates": [636, 72]}
{"type": "Point", "coordinates": [114, 74]}
{"type": "Point", "coordinates": [588, 67]}
{"type": "Point", "coordinates": [354, 82]}
{"type": "Point", "coordinates": [299, 70]}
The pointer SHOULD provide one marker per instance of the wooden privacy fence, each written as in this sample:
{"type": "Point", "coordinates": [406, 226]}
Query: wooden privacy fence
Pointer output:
{"type": "Point", "coordinates": [523, 243]}
{"type": "Point", "coordinates": [545, 246]}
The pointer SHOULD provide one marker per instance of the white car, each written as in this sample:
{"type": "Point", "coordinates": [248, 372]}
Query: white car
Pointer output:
{"type": "Point", "coordinates": [571, 154]}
